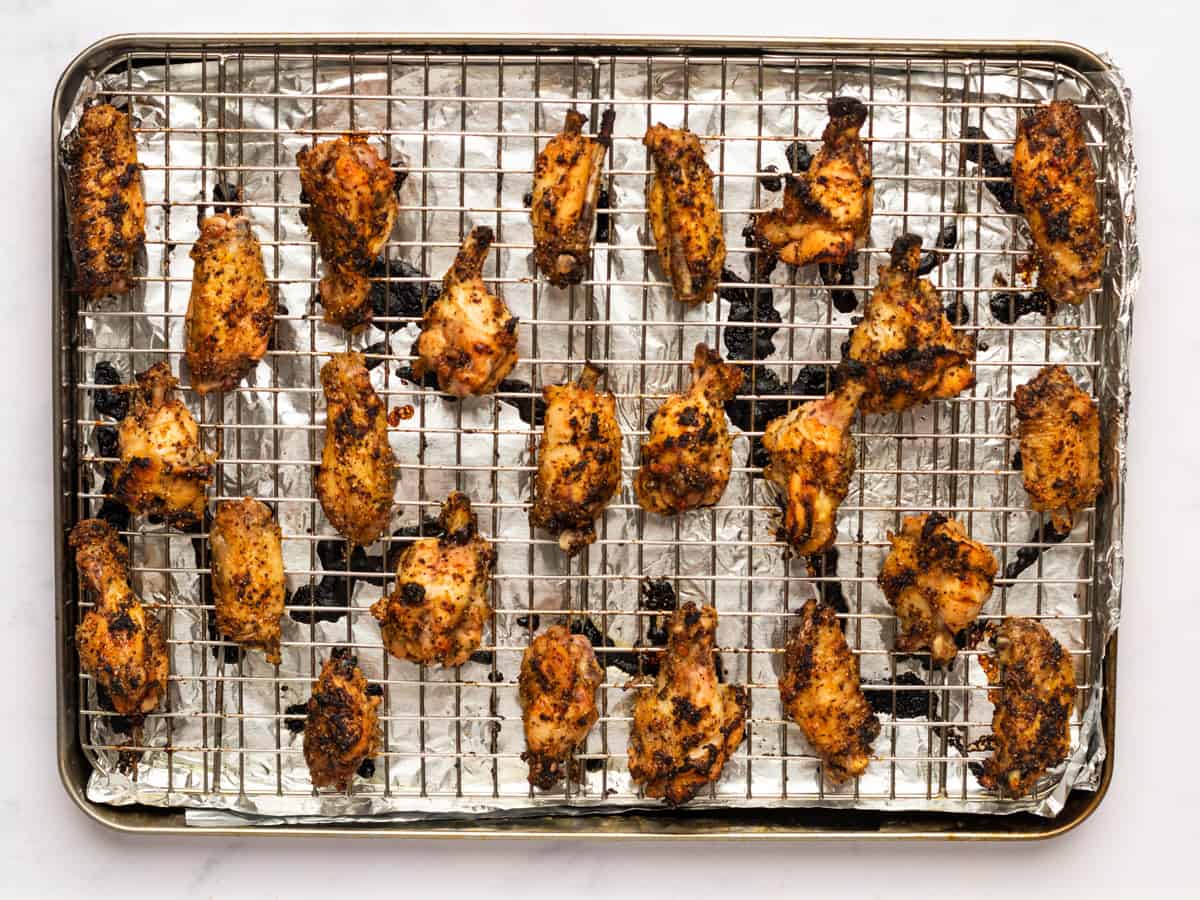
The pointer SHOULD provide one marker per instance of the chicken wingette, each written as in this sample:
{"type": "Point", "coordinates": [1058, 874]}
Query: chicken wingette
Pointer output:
{"type": "Point", "coordinates": [341, 729]}
{"type": "Point", "coordinates": [247, 575]}
{"type": "Point", "coordinates": [468, 336]}
{"type": "Point", "coordinates": [688, 455]}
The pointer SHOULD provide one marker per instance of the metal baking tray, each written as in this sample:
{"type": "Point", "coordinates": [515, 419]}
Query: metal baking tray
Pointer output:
{"type": "Point", "coordinates": [77, 497]}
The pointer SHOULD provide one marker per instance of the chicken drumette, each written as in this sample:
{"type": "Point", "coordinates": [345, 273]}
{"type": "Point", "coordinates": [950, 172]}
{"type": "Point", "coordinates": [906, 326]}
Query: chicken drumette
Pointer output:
{"type": "Point", "coordinates": [247, 574]}
{"type": "Point", "coordinates": [468, 336]}
{"type": "Point", "coordinates": [341, 730]}
{"type": "Point", "coordinates": [687, 457]}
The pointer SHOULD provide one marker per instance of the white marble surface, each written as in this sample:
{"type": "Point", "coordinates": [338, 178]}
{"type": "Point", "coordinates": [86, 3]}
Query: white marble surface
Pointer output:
{"type": "Point", "coordinates": [1140, 842]}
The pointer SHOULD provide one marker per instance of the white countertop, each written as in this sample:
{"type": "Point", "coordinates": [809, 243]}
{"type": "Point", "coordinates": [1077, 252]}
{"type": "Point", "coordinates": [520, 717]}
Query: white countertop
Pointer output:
{"type": "Point", "coordinates": [1140, 842]}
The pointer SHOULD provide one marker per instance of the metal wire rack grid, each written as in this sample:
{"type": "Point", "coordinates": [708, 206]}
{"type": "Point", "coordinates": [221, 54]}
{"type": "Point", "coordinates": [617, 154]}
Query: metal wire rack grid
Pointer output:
{"type": "Point", "coordinates": [232, 115]}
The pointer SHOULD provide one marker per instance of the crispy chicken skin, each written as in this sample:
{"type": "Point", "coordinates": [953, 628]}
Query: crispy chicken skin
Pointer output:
{"type": "Point", "coordinates": [1034, 694]}
{"type": "Point", "coordinates": [937, 579]}
{"type": "Point", "coordinates": [104, 199]}
{"type": "Point", "coordinates": [247, 575]}
{"type": "Point", "coordinates": [579, 461]}
{"type": "Point", "coordinates": [821, 693]}
{"type": "Point", "coordinates": [687, 457]}
{"type": "Point", "coordinates": [811, 461]}
{"type": "Point", "coordinates": [687, 724]}
{"type": "Point", "coordinates": [351, 196]}
{"type": "Point", "coordinates": [119, 641]}
{"type": "Point", "coordinates": [826, 210]}
{"type": "Point", "coordinates": [163, 469]}
{"type": "Point", "coordinates": [231, 311]}
{"type": "Point", "coordinates": [566, 188]}
{"type": "Point", "coordinates": [683, 214]}
{"type": "Point", "coordinates": [437, 610]}
{"type": "Point", "coordinates": [356, 480]}
{"type": "Point", "coordinates": [907, 349]}
{"type": "Point", "coordinates": [342, 726]}
{"type": "Point", "coordinates": [1059, 427]}
{"type": "Point", "coordinates": [468, 336]}
{"type": "Point", "coordinates": [558, 683]}
{"type": "Point", "coordinates": [1054, 184]}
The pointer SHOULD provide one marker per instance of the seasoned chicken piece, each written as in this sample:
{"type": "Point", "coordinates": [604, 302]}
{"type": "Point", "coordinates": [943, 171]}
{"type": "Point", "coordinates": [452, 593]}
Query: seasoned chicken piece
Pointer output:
{"type": "Point", "coordinates": [579, 461]}
{"type": "Point", "coordinates": [566, 188]}
{"type": "Point", "coordinates": [688, 455]}
{"type": "Point", "coordinates": [1060, 445]}
{"type": "Point", "coordinates": [163, 469]}
{"type": "Point", "coordinates": [119, 641]}
{"type": "Point", "coordinates": [826, 210]}
{"type": "Point", "coordinates": [356, 480]}
{"type": "Point", "coordinates": [341, 730]}
{"type": "Point", "coordinates": [231, 311]}
{"type": "Point", "coordinates": [1054, 183]}
{"type": "Point", "coordinates": [247, 575]}
{"type": "Point", "coordinates": [688, 724]}
{"type": "Point", "coordinates": [104, 202]}
{"type": "Point", "coordinates": [468, 336]}
{"type": "Point", "coordinates": [351, 197]}
{"type": "Point", "coordinates": [821, 693]}
{"type": "Point", "coordinates": [910, 352]}
{"type": "Point", "coordinates": [558, 682]}
{"type": "Point", "coordinates": [683, 214]}
{"type": "Point", "coordinates": [437, 610]}
{"type": "Point", "coordinates": [812, 460]}
{"type": "Point", "coordinates": [1034, 696]}
{"type": "Point", "coordinates": [937, 579]}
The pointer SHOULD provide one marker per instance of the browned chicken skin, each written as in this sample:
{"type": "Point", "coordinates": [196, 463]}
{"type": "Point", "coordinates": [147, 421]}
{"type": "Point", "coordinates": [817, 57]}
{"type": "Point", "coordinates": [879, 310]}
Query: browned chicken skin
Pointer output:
{"type": "Point", "coordinates": [163, 470]}
{"type": "Point", "coordinates": [437, 610]}
{"type": "Point", "coordinates": [558, 683]}
{"type": "Point", "coordinates": [688, 455]}
{"type": "Point", "coordinates": [1060, 445]}
{"type": "Point", "coordinates": [683, 214]}
{"type": "Point", "coordinates": [1034, 694]}
{"type": "Point", "coordinates": [937, 579]}
{"type": "Point", "coordinates": [231, 311]}
{"type": "Point", "coordinates": [342, 726]}
{"type": "Point", "coordinates": [688, 724]}
{"type": "Point", "coordinates": [247, 575]}
{"type": "Point", "coordinates": [566, 189]}
{"type": "Point", "coordinates": [352, 206]}
{"type": "Point", "coordinates": [468, 336]}
{"type": "Point", "coordinates": [1054, 184]}
{"type": "Point", "coordinates": [356, 480]}
{"type": "Point", "coordinates": [105, 203]}
{"type": "Point", "coordinates": [821, 693]}
{"type": "Point", "coordinates": [909, 352]}
{"type": "Point", "coordinates": [119, 641]}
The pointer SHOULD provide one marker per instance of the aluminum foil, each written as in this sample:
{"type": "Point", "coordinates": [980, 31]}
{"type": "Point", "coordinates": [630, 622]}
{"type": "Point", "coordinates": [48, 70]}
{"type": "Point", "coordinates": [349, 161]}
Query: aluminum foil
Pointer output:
{"type": "Point", "coordinates": [269, 783]}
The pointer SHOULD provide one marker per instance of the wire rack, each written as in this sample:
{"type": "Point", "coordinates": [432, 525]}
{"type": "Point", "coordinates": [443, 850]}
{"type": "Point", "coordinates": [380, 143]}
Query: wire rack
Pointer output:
{"type": "Point", "coordinates": [464, 127]}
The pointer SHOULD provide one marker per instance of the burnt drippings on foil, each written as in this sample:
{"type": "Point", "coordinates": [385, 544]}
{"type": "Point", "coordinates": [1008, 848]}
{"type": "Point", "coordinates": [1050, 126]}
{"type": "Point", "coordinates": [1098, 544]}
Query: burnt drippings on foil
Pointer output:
{"type": "Point", "coordinates": [531, 408]}
{"type": "Point", "coordinates": [755, 305]}
{"type": "Point", "coordinates": [376, 353]}
{"type": "Point", "coordinates": [1008, 306]}
{"type": "Point", "coordinates": [330, 596]}
{"type": "Point", "coordinates": [483, 657]}
{"type": "Point", "coordinates": [114, 513]}
{"type": "Point", "coordinates": [656, 596]}
{"type": "Point", "coordinates": [121, 724]}
{"type": "Point", "coordinates": [983, 154]}
{"type": "Point", "coordinates": [429, 380]}
{"type": "Point", "coordinates": [296, 715]}
{"type": "Point", "coordinates": [532, 621]}
{"type": "Point", "coordinates": [366, 768]}
{"type": "Point", "coordinates": [399, 291]}
{"type": "Point", "coordinates": [770, 179]}
{"type": "Point", "coordinates": [221, 647]}
{"type": "Point", "coordinates": [947, 239]}
{"type": "Point", "coordinates": [908, 704]}
{"type": "Point", "coordinates": [107, 441]}
{"type": "Point", "coordinates": [603, 218]}
{"type": "Point", "coordinates": [957, 313]}
{"type": "Point", "coordinates": [839, 276]}
{"type": "Point", "coordinates": [624, 661]}
{"type": "Point", "coordinates": [1027, 556]}
{"type": "Point", "coordinates": [114, 404]}
{"type": "Point", "coordinates": [825, 566]}
{"type": "Point", "coordinates": [754, 407]}
{"type": "Point", "coordinates": [227, 198]}
{"type": "Point", "coordinates": [798, 156]}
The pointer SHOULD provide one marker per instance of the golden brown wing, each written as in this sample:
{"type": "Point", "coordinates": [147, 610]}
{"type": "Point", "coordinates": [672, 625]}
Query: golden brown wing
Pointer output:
{"type": "Point", "coordinates": [247, 574]}
{"type": "Point", "coordinates": [341, 730]}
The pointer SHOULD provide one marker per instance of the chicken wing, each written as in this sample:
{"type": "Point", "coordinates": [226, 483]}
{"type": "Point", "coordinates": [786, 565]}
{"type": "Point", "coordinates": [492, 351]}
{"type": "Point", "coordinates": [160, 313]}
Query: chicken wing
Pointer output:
{"type": "Point", "coordinates": [826, 210]}
{"type": "Point", "coordinates": [566, 188]}
{"type": "Point", "coordinates": [468, 336]}
{"type": "Point", "coordinates": [821, 693]}
{"type": "Point", "coordinates": [811, 461]}
{"type": "Point", "coordinates": [579, 461]}
{"type": "Point", "coordinates": [352, 206]}
{"type": "Point", "coordinates": [558, 682]}
{"type": "Point", "coordinates": [341, 730]}
{"type": "Point", "coordinates": [937, 579]}
{"type": "Point", "coordinates": [163, 469]}
{"type": "Point", "coordinates": [105, 205]}
{"type": "Point", "coordinates": [1034, 694]}
{"type": "Point", "coordinates": [909, 352]}
{"type": "Point", "coordinates": [119, 641]}
{"type": "Point", "coordinates": [687, 457]}
{"type": "Point", "coordinates": [1060, 445]}
{"type": "Point", "coordinates": [356, 480]}
{"type": "Point", "coordinates": [247, 575]}
{"type": "Point", "coordinates": [231, 311]}
{"type": "Point", "coordinates": [1054, 182]}
{"type": "Point", "coordinates": [683, 214]}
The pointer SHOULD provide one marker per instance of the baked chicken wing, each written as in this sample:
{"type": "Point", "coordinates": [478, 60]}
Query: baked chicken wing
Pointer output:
{"type": "Point", "coordinates": [341, 730]}
{"type": "Point", "coordinates": [687, 457]}
{"type": "Point", "coordinates": [247, 575]}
